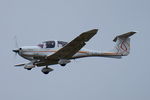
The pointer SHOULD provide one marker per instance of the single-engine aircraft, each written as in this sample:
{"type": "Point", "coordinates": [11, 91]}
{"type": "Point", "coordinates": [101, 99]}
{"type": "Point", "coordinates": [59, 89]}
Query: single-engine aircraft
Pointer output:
{"type": "Point", "coordinates": [60, 52]}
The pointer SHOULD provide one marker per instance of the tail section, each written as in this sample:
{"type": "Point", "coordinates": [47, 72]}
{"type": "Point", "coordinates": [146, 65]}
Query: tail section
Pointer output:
{"type": "Point", "coordinates": [122, 46]}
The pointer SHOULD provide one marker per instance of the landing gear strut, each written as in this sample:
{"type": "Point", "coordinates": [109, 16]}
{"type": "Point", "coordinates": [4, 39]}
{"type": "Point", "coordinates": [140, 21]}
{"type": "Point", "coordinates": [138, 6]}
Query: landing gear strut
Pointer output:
{"type": "Point", "coordinates": [46, 70]}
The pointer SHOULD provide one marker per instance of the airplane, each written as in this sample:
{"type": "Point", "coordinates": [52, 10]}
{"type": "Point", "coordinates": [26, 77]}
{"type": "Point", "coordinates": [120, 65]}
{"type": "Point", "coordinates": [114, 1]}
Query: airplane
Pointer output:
{"type": "Point", "coordinates": [61, 52]}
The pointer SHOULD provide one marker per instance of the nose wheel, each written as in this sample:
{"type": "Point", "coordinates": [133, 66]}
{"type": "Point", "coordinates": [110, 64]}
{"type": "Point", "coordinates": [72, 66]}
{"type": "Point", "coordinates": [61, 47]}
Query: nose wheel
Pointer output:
{"type": "Point", "coordinates": [46, 70]}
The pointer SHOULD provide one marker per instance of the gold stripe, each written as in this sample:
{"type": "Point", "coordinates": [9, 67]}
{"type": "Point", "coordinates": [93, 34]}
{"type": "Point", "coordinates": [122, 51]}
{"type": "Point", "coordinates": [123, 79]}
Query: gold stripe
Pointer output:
{"type": "Point", "coordinates": [56, 51]}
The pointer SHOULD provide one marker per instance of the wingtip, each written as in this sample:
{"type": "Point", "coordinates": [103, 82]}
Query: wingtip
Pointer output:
{"type": "Point", "coordinates": [94, 31]}
{"type": "Point", "coordinates": [132, 32]}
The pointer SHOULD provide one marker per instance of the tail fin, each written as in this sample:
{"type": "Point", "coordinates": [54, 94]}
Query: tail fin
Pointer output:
{"type": "Point", "coordinates": [122, 46]}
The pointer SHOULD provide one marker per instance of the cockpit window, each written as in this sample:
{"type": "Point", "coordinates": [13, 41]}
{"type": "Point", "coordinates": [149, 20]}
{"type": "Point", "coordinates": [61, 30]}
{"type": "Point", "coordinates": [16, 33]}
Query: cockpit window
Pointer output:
{"type": "Point", "coordinates": [50, 44]}
{"type": "Point", "coordinates": [41, 45]}
{"type": "Point", "coordinates": [61, 43]}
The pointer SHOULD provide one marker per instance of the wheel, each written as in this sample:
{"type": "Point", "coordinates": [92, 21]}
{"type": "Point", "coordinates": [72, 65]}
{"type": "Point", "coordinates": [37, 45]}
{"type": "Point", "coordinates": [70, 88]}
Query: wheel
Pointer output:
{"type": "Point", "coordinates": [63, 64]}
{"type": "Point", "coordinates": [29, 68]}
{"type": "Point", "coordinates": [46, 70]}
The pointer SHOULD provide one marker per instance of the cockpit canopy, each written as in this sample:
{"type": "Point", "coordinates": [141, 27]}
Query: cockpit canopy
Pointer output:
{"type": "Point", "coordinates": [52, 44]}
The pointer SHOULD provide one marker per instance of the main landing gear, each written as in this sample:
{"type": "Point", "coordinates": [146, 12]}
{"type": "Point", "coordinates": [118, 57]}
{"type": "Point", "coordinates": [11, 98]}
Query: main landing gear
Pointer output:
{"type": "Point", "coordinates": [46, 70]}
{"type": "Point", "coordinates": [28, 68]}
{"type": "Point", "coordinates": [63, 65]}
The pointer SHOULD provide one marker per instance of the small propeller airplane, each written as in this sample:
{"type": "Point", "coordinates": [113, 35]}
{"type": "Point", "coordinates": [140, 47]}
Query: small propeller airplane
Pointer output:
{"type": "Point", "coordinates": [60, 52]}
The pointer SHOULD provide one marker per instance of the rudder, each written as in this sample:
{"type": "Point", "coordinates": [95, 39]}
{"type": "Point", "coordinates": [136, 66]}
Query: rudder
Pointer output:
{"type": "Point", "coordinates": [122, 46]}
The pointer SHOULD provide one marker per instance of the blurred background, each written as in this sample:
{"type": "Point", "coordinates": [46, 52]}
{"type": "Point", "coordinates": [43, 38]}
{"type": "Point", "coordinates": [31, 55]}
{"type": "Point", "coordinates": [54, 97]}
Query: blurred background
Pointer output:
{"type": "Point", "coordinates": [34, 21]}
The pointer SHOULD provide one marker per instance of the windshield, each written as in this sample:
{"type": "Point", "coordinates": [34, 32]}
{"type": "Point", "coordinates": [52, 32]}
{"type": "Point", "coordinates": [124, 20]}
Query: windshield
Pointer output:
{"type": "Point", "coordinates": [41, 45]}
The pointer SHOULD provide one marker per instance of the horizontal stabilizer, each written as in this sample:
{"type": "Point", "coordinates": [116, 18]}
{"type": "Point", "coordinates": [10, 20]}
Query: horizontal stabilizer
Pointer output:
{"type": "Point", "coordinates": [126, 35]}
{"type": "Point", "coordinates": [18, 65]}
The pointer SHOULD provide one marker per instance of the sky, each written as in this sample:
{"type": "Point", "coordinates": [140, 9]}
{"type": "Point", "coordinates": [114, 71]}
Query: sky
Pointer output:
{"type": "Point", "coordinates": [34, 21]}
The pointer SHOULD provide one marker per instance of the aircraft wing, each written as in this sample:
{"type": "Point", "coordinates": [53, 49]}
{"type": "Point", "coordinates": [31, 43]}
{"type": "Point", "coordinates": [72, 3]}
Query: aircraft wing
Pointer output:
{"type": "Point", "coordinates": [74, 46]}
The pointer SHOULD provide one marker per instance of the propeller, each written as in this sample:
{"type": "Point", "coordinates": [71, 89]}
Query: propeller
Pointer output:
{"type": "Point", "coordinates": [16, 50]}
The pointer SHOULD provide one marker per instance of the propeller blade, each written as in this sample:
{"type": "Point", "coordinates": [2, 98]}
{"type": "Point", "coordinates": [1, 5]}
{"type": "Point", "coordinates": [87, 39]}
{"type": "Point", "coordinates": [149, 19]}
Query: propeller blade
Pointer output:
{"type": "Point", "coordinates": [16, 42]}
{"type": "Point", "coordinates": [16, 51]}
